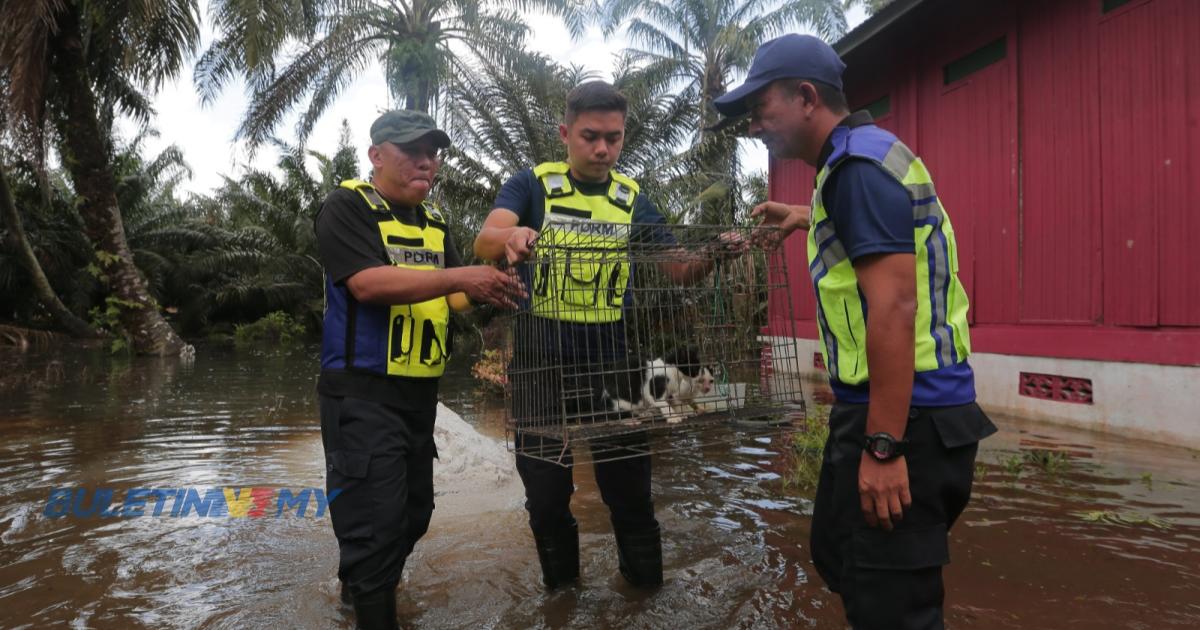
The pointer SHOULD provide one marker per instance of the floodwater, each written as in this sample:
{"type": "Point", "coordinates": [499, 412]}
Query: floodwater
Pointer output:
{"type": "Point", "coordinates": [1104, 534]}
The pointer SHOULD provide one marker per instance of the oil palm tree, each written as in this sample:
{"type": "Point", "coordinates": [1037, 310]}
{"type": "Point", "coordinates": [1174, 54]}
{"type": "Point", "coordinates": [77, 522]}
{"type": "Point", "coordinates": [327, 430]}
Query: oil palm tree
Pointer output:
{"type": "Point", "coordinates": [418, 43]}
{"type": "Point", "coordinates": [70, 67]}
{"type": "Point", "coordinates": [270, 217]}
{"type": "Point", "coordinates": [703, 44]}
{"type": "Point", "coordinates": [871, 6]}
{"type": "Point", "coordinates": [238, 254]}
{"type": "Point", "coordinates": [504, 117]}
{"type": "Point", "coordinates": [20, 251]}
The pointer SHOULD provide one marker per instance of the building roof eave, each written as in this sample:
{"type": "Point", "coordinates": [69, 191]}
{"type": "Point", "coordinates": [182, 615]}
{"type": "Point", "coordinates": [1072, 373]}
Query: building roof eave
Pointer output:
{"type": "Point", "coordinates": [875, 25]}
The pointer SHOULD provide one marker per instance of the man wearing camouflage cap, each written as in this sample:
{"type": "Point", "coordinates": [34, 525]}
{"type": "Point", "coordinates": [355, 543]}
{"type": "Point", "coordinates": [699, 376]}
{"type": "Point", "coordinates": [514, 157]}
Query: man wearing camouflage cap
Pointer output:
{"type": "Point", "coordinates": [392, 274]}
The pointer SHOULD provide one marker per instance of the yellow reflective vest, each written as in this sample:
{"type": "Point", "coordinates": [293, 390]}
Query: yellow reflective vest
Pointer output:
{"type": "Point", "coordinates": [582, 268]}
{"type": "Point", "coordinates": [416, 334]}
{"type": "Point", "coordinates": [942, 337]}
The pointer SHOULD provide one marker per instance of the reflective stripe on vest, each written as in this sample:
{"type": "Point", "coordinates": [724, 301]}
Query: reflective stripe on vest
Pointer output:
{"type": "Point", "coordinates": [942, 337]}
{"type": "Point", "coordinates": [584, 275]}
{"type": "Point", "coordinates": [417, 333]}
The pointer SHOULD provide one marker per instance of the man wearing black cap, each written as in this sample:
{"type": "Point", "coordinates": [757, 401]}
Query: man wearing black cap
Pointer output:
{"type": "Point", "coordinates": [392, 274]}
{"type": "Point", "coordinates": [899, 462]}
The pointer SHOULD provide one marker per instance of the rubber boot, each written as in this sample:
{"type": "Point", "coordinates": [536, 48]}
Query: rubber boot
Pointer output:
{"type": "Point", "coordinates": [558, 553]}
{"type": "Point", "coordinates": [639, 556]}
{"type": "Point", "coordinates": [376, 610]}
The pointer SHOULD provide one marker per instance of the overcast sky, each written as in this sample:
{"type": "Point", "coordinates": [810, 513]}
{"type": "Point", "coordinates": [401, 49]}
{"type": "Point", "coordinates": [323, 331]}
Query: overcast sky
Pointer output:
{"type": "Point", "coordinates": [206, 133]}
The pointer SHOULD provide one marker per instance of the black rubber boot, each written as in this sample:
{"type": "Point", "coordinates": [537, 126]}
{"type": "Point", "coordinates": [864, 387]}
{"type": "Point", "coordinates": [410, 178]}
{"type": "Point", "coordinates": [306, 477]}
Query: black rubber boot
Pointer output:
{"type": "Point", "coordinates": [639, 554]}
{"type": "Point", "coordinates": [376, 610]}
{"type": "Point", "coordinates": [558, 552]}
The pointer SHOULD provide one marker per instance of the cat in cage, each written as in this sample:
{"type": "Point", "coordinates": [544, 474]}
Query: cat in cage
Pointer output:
{"type": "Point", "coordinates": [665, 386]}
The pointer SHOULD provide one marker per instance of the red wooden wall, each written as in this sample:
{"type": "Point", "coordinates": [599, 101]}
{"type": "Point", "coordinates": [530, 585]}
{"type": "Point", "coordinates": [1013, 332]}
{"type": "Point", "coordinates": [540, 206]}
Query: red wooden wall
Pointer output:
{"type": "Point", "coordinates": [1070, 170]}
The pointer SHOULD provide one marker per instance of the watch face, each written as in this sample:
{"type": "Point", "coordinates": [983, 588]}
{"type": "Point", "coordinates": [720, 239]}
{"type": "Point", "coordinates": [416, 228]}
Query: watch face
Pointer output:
{"type": "Point", "coordinates": [881, 447]}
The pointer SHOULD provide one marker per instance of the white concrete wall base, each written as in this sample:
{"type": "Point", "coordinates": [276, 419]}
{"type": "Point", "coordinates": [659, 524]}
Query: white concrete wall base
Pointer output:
{"type": "Point", "coordinates": [1138, 400]}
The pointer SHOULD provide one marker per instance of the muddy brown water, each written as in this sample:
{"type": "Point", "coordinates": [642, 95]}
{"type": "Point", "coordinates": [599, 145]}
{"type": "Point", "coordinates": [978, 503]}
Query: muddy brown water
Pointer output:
{"type": "Point", "coordinates": [1105, 536]}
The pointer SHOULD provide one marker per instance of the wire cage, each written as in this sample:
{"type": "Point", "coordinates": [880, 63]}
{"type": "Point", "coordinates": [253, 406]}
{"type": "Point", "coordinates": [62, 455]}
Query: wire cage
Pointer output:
{"type": "Point", "coordinates": [646, 338]}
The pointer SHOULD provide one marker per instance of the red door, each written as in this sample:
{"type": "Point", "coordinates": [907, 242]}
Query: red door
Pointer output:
{"type": "Point", "coordinates": [1131, 135]}
{"type": "Point", "coordinates": [1060, 162]}
{"type": "Point", "coordinates": [968, 140]}
{"type": "Point", "coordinates": [1179, 164]}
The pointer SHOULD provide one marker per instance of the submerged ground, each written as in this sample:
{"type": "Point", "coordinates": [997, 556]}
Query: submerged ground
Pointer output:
{"type": "Point", "coordinates": [1067, 528]}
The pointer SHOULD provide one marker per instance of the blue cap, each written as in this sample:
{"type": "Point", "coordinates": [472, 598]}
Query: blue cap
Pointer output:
{"type": "Point", "coordinates": [791, 56]}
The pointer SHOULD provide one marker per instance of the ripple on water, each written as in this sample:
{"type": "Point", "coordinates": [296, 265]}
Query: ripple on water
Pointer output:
{"type": "Point", "coordinates": [734, 539]}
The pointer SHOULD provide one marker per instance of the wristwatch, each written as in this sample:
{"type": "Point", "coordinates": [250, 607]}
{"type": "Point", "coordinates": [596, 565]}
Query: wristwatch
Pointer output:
{"type": "Point", "coordinates": [883, 447]}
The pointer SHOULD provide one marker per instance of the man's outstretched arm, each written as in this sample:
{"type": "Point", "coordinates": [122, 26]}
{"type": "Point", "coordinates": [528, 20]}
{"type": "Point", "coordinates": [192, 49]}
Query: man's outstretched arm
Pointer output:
{"type": "Point", "coordinates": [502, 239]}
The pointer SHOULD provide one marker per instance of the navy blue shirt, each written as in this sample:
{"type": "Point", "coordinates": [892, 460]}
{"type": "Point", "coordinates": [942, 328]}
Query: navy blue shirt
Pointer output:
{"type": "Point", "coordinates": [581, 343]}
{"type": "Point", "coordinates": [872, 214]}
{"type": "Point", "coordinates": [870, 210]}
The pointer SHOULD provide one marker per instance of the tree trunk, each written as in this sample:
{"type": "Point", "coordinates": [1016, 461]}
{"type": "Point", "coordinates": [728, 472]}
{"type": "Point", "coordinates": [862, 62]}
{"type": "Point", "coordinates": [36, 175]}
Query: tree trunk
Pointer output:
{"type": "Point", "coordinates": [41, 284]}
{"type": "Point", "coordinates": [85, 154]}
{"type": "Point", "coordinates": [420, 101]}
{"type": "Point", "coordinates": [721, 164]}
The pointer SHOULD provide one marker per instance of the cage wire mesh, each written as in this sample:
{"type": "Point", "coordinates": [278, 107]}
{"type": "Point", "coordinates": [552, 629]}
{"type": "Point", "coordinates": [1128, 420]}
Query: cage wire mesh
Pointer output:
{"type": "Point", "coordinates": [618, 350]}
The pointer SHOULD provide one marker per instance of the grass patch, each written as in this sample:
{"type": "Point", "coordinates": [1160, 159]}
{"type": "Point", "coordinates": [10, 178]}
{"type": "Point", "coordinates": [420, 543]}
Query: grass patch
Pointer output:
{"type": "Point", "coordinates": [1012, 464]}
{"type": "Point", "coordinates": [1049, 462]}
{"type": "Point", "coordinates": [1052, 463]}
{"type": "Point", "coordinates": [981, 471]}
{"type": "Point", "coordinates": [808, 444]}
{"type": "Point", "coordinates": [275, 328]}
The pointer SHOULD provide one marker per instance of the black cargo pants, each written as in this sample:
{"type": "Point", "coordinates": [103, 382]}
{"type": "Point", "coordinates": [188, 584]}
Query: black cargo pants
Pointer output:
{"type": "Point", "coordinates": [893, 580]}
{"type": "Point", "coordinates": [381, 458]}
{"type": "Point", "coordinates": [551, 356]}
{"type": "Point", "coordinates": [624, 485]}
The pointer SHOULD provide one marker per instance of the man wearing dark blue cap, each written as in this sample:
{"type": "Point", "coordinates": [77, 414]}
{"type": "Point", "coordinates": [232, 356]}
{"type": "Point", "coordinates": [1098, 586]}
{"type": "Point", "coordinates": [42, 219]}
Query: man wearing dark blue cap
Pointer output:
{"type": "Point", "coordinates": [903, 433]}
{"type": "Point", "coordinates": [392, 274]}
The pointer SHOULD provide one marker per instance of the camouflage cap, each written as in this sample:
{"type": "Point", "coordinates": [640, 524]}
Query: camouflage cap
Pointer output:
{"type": "Point", "coordinates": [401, 126]}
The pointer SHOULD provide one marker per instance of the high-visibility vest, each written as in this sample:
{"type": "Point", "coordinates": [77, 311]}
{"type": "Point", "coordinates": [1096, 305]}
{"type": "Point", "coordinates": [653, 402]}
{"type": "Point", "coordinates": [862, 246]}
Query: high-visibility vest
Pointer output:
{"type": "Point", "coordinates": [582, 269]}
{"type": "Point", "coordinates": [942, 337]}
{"type": "Point", "coordinates": [394, 340]}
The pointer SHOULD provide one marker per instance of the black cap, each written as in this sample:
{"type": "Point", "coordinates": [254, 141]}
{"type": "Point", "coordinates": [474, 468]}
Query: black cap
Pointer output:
{"type": "Point", "coordinates": [401, 126]}
{"type": "Point", "coordinates": [791, 56]}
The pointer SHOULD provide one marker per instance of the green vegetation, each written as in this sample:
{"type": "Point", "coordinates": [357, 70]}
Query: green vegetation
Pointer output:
{"type": "Point", "coordinates": [1012, 464]}
{"type": "Point", "coordinates": [276, 328]}
{"type": "Point", "coordinates": [1130, 519]}
{"type": "Point", "coordinates": [68, 72]}
{"type": "Point", "coordinates": [98, 239]}
{"type": "Point", "coordinates": [808, 445]}
{"type": "Point", "coordinates": [700, 45]}
{"type": "Point", "coordinates": [981, 471]}
{"type": "Point", "coordinates": [1049, 462]}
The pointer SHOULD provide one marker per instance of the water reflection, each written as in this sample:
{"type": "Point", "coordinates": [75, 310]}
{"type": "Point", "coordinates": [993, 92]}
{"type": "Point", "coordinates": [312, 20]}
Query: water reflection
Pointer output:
{"type": "Point", "coordinates": [1048, 542]}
